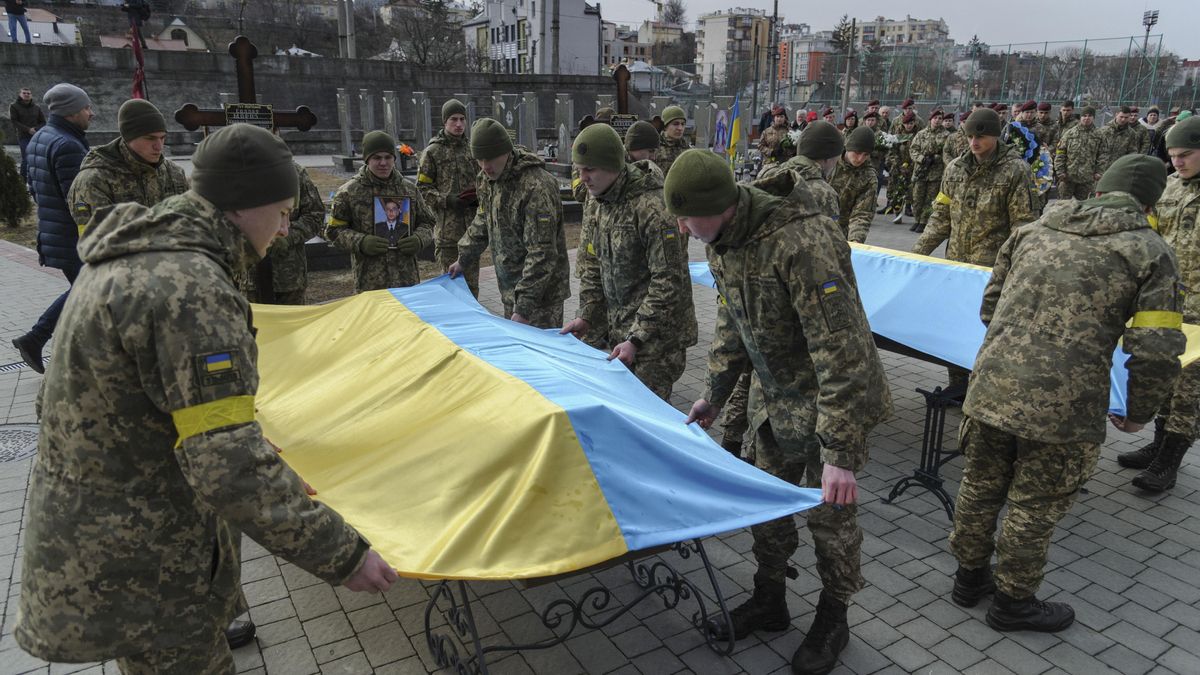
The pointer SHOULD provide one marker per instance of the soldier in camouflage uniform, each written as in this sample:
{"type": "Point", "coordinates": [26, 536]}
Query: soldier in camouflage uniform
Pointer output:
{"type": "Point", "coordinates": [641, 144]}
{"type": "Point", "coordinates": [150, 464]}
{"type": "Point", "coordinates": [286, 260]}
{"type": "Point", "coordinates": [636, 274]}
{"type": "Point", "coordinates": [775, 144]}
{"type": "Point", "coordinates": [817, 155]}
{"type": "Point", "coordinates": [906, 107]}
{"type": "Point", "coordinates": [673, 142]}
{"type": "Point", "coordinates": [376, 261]}
{"type": "Point", "coordinates": [793, 314]}
{"type": "Point", "coordinates": [926, 153]}
{"type": "Point", "coordinates": [1066, 117]}
{"type": "Point", "coordinates": [855, 183]}
{"type": "Point", "coordinates": [1178, 420]}
{"type": "Point", "coordinates": [520, 218]}
{"type": "Point", "coordinates": [1064, 292]}
{"type": "Point", "coordinates": [1046, 129]}
{"type": "Point", "coordinates": [1140, 131]}
{"type": "Point", "coordinates": [1118, 138]}
{"type": "Point", "coordinates": [446, 179]}
{"type": "Point", "coordinates": [1077, 158]}
{"type": "Point", "coordinates": [956, 143]}
{"type": "Point", "coordinates": [131, 168]}
{"type": "Point", "coordinates": [985, 195]}
{"type": "Point", "coordinates": [900, 169]}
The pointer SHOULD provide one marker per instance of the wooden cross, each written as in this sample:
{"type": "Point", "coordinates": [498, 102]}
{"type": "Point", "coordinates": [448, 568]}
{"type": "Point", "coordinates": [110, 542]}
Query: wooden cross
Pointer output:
{"type": "Point", "coordinates": [621, 76]}
{"type": "Point", "coordinates": [247, 109]}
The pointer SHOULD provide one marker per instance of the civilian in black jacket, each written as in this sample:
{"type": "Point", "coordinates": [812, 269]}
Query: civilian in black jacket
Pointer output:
{"type": "Point", "coordinates": [27, 117]}
{"type": "Point", "coordinates": [55, 153]}
{"type": "Point", "coordinates": [16, 15]}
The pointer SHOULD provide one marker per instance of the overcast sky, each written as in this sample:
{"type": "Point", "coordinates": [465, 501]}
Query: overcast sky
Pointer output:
{"type": "Point", "coordinates": [1005, 23]}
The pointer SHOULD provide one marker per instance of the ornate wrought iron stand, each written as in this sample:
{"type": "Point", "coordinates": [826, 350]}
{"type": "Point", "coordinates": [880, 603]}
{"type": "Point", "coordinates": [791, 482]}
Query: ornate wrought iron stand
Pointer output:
{"type": "Point", "coordinates": [929, 474]}
{"type": "Point", "coordinates": [457, 644]}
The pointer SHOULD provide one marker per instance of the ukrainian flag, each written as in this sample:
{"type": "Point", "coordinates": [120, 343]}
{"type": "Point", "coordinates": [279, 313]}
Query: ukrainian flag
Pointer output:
{"type": "Point", "coordinates": [735, 126]}
{"type": "Point", "coordinates": [215, 363]}
{"type": "Point", "coordinates": [462, 445]}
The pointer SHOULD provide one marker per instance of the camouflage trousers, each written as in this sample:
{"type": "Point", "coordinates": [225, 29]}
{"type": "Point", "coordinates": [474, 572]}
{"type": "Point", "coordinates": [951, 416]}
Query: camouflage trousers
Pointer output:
{"type": "Point", "coordinates": [1039, 482]}
{"type": "Point", "coordinates": [660, 371]}
{"type": "Point", "coordinates": [899, 191]}
{"type": "Point", "coordinates": [923, 192]}
{"type": "Point", "coordinates": [837, 538]}
{"type": "Point", "coordinates": [204, 657]}
{"type": "Point", "coordinates": [733, 416]}
{"type": "Point", "coordinates": [1074, 190]}
{"type": "Point", "coordinates": [447, 254]}
{"type": "Point", "coordinates": [1182, 409]}
{"type": "Point", "coordinates": [542, 317]}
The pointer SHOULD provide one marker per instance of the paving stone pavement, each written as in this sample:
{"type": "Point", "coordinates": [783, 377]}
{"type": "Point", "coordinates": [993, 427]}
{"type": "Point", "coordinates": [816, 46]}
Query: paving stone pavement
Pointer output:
{"type": "Point", "coordinates": [1129, 563]}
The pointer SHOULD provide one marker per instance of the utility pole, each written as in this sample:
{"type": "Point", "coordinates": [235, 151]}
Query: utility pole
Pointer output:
{"type": "Point", "coordinates": [1149, 19]}
{"type": "Point", "coordinates": [554, 38]}
{"type": "Point", "coordinates": [351, 51]}
{"type": "Point", "coordinates": [341, 27]}
{"type": "Point", "coordinates": [754, 96]}
{"type": "Point", "coordinates": [774, 47]}
{"type": "Point", "coordinates": [849, 58]}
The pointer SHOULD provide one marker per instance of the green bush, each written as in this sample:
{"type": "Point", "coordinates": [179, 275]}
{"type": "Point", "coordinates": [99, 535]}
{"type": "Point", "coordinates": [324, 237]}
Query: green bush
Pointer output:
{"type": "Point", "coordinates": [14, 197]}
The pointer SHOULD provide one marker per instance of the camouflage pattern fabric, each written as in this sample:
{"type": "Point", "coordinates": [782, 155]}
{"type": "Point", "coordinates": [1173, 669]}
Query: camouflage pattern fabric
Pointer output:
{"type": "Point", "coordinates": [801, 176]}
{"type": "Point", "coordinates": [636, 274]}
{"type": "Point", "coordinates": [856, 188]}
{"type": "Point", "coordinates": [897, 125]}
{"type": "Point", "coordinates": [669, 151]}
{"type": "Point", "coordinates": [520, 218]}
{"type": "Point", "coordinates": [900, 170]}
{"type": "Point", "coordinates": [775, 145]}
{"type": "Point", "coordinates": [444, 172]}
{"type": "Point", "coordinates": [352, 217]}
{"type": "Point", "coordinates": [954, 146]}
{"type": "Point", "coordinates": [1067, 124]}
{"type": "Point", "coordinates": [208, 657]}
{"type": "Point", "coordinates": [112, 174]}
{"type": "Point", "coordinates": [1047, 134]}
{"type": "Point", "coordinates": [926, 153]}
{"type": "Point", "coordinates": [1178, 218]}
{"type": "Point", "coordinates": [150, 465]}
{"type": "Point", "coordinates": [1117, 141]}
{"type": "Point", "coordinates": [597, 335]}
{"type": "Point", "coordinates": [1077, 161]}
{"type": "Point", "coordinates": [289, 263]}
{"type": "Point", "coordinates": [1037, 480]}
{"type": "Point", "coordinates": [1062, 291]}
{"type": "Point", "coordinates": [734, 415]}
{"type": "Point", "coordinates": [978, 206]}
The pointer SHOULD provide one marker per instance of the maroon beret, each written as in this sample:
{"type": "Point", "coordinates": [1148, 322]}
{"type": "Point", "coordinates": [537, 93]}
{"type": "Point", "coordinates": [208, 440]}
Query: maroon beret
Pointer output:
{"type": "Point", "coordinates": [908, 102]}
{"type": "Point", "coordinates": [874, 101]}
{"type": "Point", "coordinates": [1044, 107]}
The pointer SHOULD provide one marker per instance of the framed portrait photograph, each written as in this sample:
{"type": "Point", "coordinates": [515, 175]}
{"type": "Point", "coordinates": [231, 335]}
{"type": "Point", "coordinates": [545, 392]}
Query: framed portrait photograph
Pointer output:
{"type": "Point", "coordinates": [393, 218]}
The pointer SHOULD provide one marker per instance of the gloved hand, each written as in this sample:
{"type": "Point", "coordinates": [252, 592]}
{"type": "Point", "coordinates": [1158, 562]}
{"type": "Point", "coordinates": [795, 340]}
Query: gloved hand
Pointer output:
{"type": "Point", "coordinates": [468, 197]}
{"type": "Point", "coordinates": [372, 245]}
{"type": "Point", "coordinates": [409, 245]}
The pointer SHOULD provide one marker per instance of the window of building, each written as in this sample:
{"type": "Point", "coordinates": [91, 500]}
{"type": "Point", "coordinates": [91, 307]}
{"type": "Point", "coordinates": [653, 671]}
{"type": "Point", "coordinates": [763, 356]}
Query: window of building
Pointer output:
{"type": "Point", "coordinates": [522, 35]}
{"type": "Point", "coordinates": [179, 34]}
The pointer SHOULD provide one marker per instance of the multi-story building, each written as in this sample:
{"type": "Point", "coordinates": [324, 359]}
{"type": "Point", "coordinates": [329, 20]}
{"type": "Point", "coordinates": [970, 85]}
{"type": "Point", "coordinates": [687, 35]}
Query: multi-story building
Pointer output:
{"type": "Point", "coordinates": [517, 36]}
{"type": "Point", "coordinates": [802, 53]}
{"type": "Point", "coordinates": [881, 32]}
{"type": "Point", "coordinates": [726, 43]}
{"type": "Point", "coordinates": [659, 33]}
{"type": "Point", "coordinates": [621, 45]}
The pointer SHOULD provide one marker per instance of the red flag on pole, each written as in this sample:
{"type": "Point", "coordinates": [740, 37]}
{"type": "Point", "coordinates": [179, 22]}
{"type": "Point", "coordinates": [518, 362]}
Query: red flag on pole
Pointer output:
{"type": "Point", "coordinates": [139, 73]}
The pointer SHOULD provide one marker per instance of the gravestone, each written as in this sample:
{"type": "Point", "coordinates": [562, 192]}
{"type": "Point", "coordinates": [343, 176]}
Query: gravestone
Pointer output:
{"type": "Point", "coordinates": [527, 121]}
{"type": "Point", "coordinates": [343, 105]}
{"type": "Point", "coordinates": [658, 104]}
{"type": "Point", "coordinates": [498, 106]}
{"type": "Point", "coordinates": [366, 109]}
{"type": "Point", "coordinates": [421, 120]}
{"type": "Point", "coordinates": [564, 121]}
{"type": "Point", "coordinates": [604, 101]}
{"type": "Point", "coordinates": [391, 114]}
{"type": "Point", "coordinates": [706, 118]}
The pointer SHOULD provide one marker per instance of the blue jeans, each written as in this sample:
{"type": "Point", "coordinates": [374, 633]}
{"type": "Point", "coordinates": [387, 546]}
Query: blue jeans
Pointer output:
{"type": "Point", "coordinates": [44, 328]}
{"type": "Point", "coordinates": [13, 20]}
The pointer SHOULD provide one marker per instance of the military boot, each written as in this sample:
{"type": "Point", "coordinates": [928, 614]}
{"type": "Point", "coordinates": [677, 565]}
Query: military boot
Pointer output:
{"type": "Point", "coordinates": [826, 638]}
{"type": "Point", "coordinates": [30, 347]}
{"type": "Point", "coordinates": [1143, 456]}
{"type": "Point", "coordinates": [765, 610]}
{"type": "Point", "coordinates": [1160, 475]}
{"type": "Point", "coordinates": [970, 586]}
{"type": "Point", "coordinates": [239, 633]}
{"type": "Point", "coordinates": [1008, 613]}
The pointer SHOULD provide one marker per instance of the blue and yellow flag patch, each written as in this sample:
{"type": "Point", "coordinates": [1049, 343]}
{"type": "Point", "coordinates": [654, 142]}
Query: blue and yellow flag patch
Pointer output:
{"type": "Point", "coordinates": [830, 286]}
{"type": "Point", "coordinates": [215, 363]}
{"type": "Point", "coordinates": [216, 368]}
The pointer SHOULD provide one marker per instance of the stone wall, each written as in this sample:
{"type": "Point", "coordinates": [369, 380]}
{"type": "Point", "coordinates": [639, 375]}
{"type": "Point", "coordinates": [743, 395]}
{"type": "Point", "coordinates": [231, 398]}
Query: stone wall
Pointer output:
{"type": "Point", "coordinates": [285, 82]}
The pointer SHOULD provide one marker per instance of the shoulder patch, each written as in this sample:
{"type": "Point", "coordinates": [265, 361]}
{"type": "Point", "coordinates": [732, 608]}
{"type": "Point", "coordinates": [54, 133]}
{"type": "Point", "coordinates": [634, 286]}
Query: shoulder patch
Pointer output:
{"type": "Point", "coordinates": [216, 368]}
{"type": "Point", "coordinates": [83, 209]}
{"type": "Point", "coordinates": [834, 305]}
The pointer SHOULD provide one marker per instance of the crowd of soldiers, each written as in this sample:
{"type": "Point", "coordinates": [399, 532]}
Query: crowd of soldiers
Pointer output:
{"type": "Point", "coordinates": [150, 462]}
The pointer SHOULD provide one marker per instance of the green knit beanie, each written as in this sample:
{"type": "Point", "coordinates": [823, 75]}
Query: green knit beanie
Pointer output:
{"type": "Point", "coordinates": [599, 147]}
{"type": "Point", "coordinates": [453, 107]}
{"type": "Point", "coordinates": [821, 140]}
{"type": "Point", "coordinates": [641, 136]}
{"type": "Point", "coordinates": [243, 166]}
{"type": "Point", "coordinates": [700, 183]}
{"type": "Point", "coordinates": [982, 122]}
{"type": "Point", "coordinates": [1185, 134]}
{"type": "Point", "coordinates": [1087, 110]}
{"type": "Point", "coordinates": [862, 139]}
{"type": "Point", "coordinates": [138, 117]}
{"type": "Point", "coordinates": [1142, 176]}
{"type": "Point", "coordinates": [489, 139]}
{"type": "Point", "coordinates": [378, 141]}
{"type": "Point", "coordinates": [672, 113]}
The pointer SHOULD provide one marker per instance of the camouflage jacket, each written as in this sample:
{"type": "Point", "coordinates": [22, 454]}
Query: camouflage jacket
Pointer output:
{"type": "Point", "coordinates": [1063, 291]}
{"type": "Point", "coordinates": [1067, 124]}
{"type": "Point", "coordinates": [790, 308]}
{"type": "Point", "coordinates": [1116, 142]}
{"type": "Point", "coordinates": [669, 151]}
{"type": "Point", "coordinates": [776, 144]}
{"type": "Point", "coordinates": [112, 174]}
{"type": "Point", "coordinates": [900, 155]}
{"type": "Point", "coordinates": [1077, 157]}
{"type": "Point", "coordinates": [802, 175]}
{"type": "Point", "coordinates": [150, 465]}
{"type": "Point", "coordinates": [445, 170]}
{"type": "Point", "coordinates": [352, 216]}
{"type": "Point", "coordinates": [1047, 135]}
{"type": "Point", "coordinates": [926, 153]}
{"type": "Point", "coordinates": [954, 146]}
{"type": "Point", "coordinates": [1179, 224]}
{"type": "Point", "coordinates": [632, 270]}
{"type": "Point", "coordinates": [979, 206]}
{"type": "Point", "coordinates": [289, 264]}
{"type": "Point", "coordinates": [897, 125]}
{"type": "Point", "coordinates": [520, 218]}
{"type": "Point", "coordinates": [856, 189]}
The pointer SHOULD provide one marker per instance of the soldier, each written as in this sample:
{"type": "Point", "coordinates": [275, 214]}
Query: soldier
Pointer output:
{"type": "Point", "coordinates": [906, 107]}
{"type": "Point", "coordinates": [641, 144]}
{"type": "Point", "coordinates": [446, 180]}
{"type": "Point", "coordinates": [286, 260]}
{"type": "Point", "coordinates": [673, 143]}
{"type": "Point", "coordinates": [1142, 133]}
{"type": "Point", "coordinates": [817, 155]}
{"type": "Point", "coordinates": [520, 218]}
{"type": "Point", "coordinates": [873, 106]}
{"type": "Point", "coordinates": [383, 244]}
{"type": "Point", "coordinates": [885, 118]}
{"type": "Point", "coordinates": [849, 122]}
{"type": "Point", "coordinates": [130, 168]}
{"type": "Point", "coordinates": [1066, 117]}
{"type": "Point", "coordinates": [926, 153]}
{"type": "Point", "coordinates": [150, 463]}
{"type": "Point", "coordinates": [1045, 128]}
{"type": "Point", "coordinates": [985, 195]}
{"type": "Point", "coordinates": [856, 186]}
{"type": "Point", "coordinates": [1175, 427]}
{"type": "Point", "coordinates": [879, 152]}
{"type": "Point", "coordinates": [806, 337]}
{"type": "Point", "coordinates": [1064, 292]}
{"type": "Point", "coordinates": [637, 274]}
{"type": "Point", "coordinates": [957, 143]}
{"type": "Point", "coordinates": [1117, 138]}
{"type": "Point", "coordinates": [776, 144]}
{"type": "Point", "coordinates": [1077, 158]}
{"type": "Point", "coordinates": [900, 169]}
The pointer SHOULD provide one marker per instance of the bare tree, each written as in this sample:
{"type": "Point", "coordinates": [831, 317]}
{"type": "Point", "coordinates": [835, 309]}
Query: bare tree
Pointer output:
{"type": "Point", "coordinates": [674, 13]}
{"type": "Point", "coordinates": [428, 37]}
